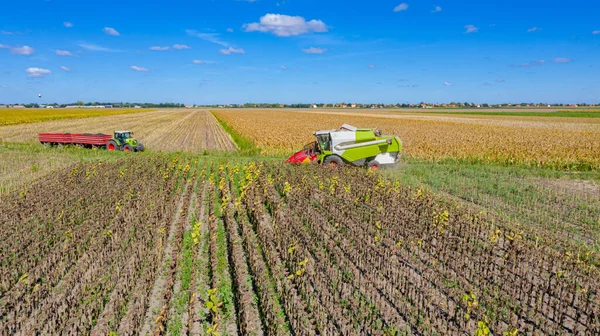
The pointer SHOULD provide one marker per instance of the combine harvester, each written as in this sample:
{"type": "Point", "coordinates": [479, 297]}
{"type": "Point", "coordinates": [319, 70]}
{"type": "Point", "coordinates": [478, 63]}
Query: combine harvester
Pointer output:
{"type": "Point", "coordinates": [122, 140]}
{"type": "Point", "coordinates": [360, 147]}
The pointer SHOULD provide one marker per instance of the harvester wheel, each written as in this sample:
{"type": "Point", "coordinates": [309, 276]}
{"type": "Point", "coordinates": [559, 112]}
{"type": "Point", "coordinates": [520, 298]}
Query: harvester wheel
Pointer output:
{"type": "Point", "coordinates": [112, 146]}
{"type": "Point", "coordinates": [128, 148]}
{"type": "Point", "coordinates": [333, 161]}
{"type": "Point", "coordinates": [374, 165]}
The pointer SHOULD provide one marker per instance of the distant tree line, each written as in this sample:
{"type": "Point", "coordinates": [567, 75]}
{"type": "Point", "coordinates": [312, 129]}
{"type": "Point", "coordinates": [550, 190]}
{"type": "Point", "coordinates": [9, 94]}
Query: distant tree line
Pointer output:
{"type": "Point", "coordinates": [112, 104]}
{"type": "Point", "coordinates": [304, 105]}
{"type": "Point", "coordinates": [397, 105]}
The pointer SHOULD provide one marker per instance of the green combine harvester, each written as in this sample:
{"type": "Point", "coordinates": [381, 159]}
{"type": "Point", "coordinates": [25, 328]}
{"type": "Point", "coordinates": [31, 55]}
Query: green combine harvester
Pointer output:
{"type": "Point", "coordinates": [362, 147]}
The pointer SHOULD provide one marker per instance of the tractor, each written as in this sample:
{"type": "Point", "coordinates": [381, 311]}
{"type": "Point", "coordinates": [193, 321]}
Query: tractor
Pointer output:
{"type": "Point", "coordinates": [123, 140]}
{"type": "Point", "coordinates": [349, 145]}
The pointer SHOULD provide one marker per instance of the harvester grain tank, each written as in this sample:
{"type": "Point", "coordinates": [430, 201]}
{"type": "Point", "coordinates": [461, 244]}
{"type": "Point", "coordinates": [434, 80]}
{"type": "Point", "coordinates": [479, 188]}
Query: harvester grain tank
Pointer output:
{"type": "Point", "coordinates": [350, 145]}
{"type": "Point", "coordinates": [121, 140]}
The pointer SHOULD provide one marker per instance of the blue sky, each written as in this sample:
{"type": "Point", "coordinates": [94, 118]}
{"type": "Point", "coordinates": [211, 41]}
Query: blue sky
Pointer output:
{"type": "Point", "coordinates": [288, 51]}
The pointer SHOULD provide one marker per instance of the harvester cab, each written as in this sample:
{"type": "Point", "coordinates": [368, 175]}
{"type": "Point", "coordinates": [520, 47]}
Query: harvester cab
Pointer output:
{"type": "Point", "coordinates": [360, 147]}
{"type": "Point", "coordinates": [124, 140]}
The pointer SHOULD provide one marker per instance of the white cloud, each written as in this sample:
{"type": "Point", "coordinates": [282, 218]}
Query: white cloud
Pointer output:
{"type": "Point", "coordinates": [448, 84]}
{"type": "Point", "coordinates": [231, 50]}
{"type": "Point", "coordinates": [95, 47]}
{"type": "Point", "coordinates": [437, 9]}
{"type": "Point", "coordinates": [2, 46]}
{"type": "Point", "coordinates": [210, 37]}
{"type": "Point", "coordinates": [596, 32]}
{"type": "Point", "coordinates": [533, 29]}
{"type": "Point", "coordinates": [230, 30]}
{"type": "Point", "coordinates": [471, 29]}
{"type": "Point", "coordinates": [111, 31]}
{"type": "Point", "coordinates": [24, 50]}
{"type": "Point", "coordinates": [562, 60]}
{"type": "Point", "coordinates": [283, 67]}
{"type": "Point", "coordinates": [401, 7]}
{"type": "Point", "coordinates": [530, 64]}
{"type": "Point", "coordinates": [37, 72]}
{"type": "Point", "coordinates": [285, 25]}
{"type": "Point", "coordinates": [63, 53]}
{"type": "Point", "coordinates": [158, 48]}
{"type": "Point", "coordinates": [180, 46]}
{"type": "Point", "coordinates": [65, 68]}
{"type": "Point", "coordinates": [371, 66]}
{"type": "Point", "coordinates": [198, 62]}
{"type": "Point", "coordinates": [139, 69]}
{"type": "Point", "coordinates": [3, 86]}
{"type": "Point", "coordinates": [313, 50]}
{"type": "Point", "coordinates": [4, 32]}
{"type": "Point", "coordinates": [67, 24]}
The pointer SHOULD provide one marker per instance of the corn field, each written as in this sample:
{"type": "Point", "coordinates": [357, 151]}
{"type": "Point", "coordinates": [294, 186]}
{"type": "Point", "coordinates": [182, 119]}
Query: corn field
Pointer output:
{"type": "Point", "coordinates": [176, 245]}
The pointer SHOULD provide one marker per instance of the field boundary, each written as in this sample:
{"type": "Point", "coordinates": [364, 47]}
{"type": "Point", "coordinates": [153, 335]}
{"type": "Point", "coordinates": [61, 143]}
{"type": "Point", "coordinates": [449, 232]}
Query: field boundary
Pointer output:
{"type": "Point", "coordinates": [245, 146]}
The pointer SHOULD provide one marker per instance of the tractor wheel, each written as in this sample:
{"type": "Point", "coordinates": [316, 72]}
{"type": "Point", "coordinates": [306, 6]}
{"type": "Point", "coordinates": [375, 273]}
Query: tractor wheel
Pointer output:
{"type": "Point", "coordinates": [112, 146]}
{"type": "Point", "coordinates": [128, 148]}
{"type": "Point", "coordinates": [333, 161]}
{"type": "Point", "coordinates": [374, 165]}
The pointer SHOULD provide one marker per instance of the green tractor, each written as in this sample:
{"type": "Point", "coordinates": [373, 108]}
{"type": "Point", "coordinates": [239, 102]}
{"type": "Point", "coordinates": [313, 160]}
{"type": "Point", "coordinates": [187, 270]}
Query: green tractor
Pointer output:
{"type": "Point", "coordinates": [123, 140]}
{"type": "Point", "coordinates": [362, 147]}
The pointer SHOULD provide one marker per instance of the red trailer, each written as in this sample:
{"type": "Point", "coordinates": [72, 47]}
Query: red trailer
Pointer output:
{"type": "Point", "coordinates": [85, 139]}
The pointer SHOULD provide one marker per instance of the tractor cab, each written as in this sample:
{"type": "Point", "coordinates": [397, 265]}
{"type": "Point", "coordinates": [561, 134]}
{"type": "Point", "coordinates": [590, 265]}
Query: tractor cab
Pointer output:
{"type": "Point", "coordinates": [123, 135]}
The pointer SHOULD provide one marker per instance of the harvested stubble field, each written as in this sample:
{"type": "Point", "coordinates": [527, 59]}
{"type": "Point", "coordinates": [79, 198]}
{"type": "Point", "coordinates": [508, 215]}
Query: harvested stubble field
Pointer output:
{"type": "Point", "coordinates": [179, 245]}
{"type": "Point", "coordinates": [164, 130]}
{"type": "Point", "coordinates": [21, 164]}
{"type": "Point", "coordinates": [563, 143]}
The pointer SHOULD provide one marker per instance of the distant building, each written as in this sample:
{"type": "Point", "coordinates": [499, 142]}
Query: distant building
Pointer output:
{"type": "Point", "coordinates": [137, 106]}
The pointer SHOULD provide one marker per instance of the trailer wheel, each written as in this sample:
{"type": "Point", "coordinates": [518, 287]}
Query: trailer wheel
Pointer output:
{"type": "Point", "coordinates": [333, 161]}
{"type": "Point", "coordinates": [374, 165]}
{"type": "Point", "coordinates": [128, 148]}
{"type": "Point", "coordinates": [112, 146]}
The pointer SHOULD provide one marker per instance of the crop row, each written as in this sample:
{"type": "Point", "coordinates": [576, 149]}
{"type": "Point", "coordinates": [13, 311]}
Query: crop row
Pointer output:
{"type": "Point", "coordinates": [173, 245]}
